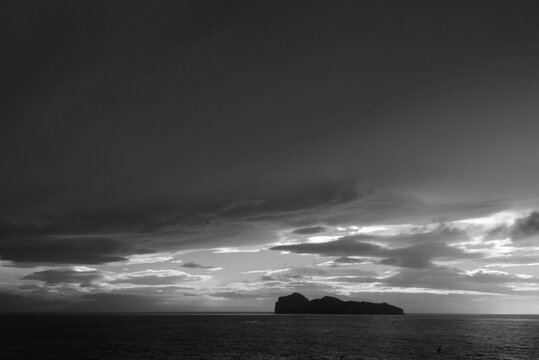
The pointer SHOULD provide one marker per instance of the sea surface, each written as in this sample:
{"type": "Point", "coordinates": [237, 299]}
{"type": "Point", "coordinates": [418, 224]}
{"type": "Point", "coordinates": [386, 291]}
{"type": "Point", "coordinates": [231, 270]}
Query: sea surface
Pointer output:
{"type": "Point", "coordinates": [268, 336]}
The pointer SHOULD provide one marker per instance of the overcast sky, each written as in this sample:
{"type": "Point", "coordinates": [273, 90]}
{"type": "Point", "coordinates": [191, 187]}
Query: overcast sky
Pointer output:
{"type": "Point", "coordinates": [212, 156]}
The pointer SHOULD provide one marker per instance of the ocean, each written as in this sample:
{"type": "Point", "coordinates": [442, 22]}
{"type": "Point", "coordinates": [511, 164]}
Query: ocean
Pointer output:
{"type": "Point", "coordinates": [268, 336]}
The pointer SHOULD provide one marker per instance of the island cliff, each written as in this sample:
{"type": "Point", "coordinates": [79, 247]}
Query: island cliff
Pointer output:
{"type": "Point", "coordinates": [299, 304]}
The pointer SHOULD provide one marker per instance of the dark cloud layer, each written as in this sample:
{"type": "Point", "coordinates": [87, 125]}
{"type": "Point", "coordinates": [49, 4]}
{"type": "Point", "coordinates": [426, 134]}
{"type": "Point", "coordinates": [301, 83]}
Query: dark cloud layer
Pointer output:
{"type": "Point", "coordinates": [525, 227]}
{"type": "Point", "coordinates": [65, 250]}
{"type": "Point", "coordinates": [139, 128]}
{"type": "Point", "coordinates": [67, 276]}
{"type": "Point", "coordinates": [193, 265]}
{"type": "Point", "coordinates": [310, 230]}
{"type": "Point", "coordinates": [419, 255]}
{"type": "Point", "coordinates": [137, 117]}
{"type": "Point", "coordinates": [523, 232]}
{"type": "Point", "coordinates": [347, 260]}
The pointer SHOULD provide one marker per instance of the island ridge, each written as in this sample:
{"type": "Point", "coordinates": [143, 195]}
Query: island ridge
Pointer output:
{"type": "Point", "coordinates": [299, 304]}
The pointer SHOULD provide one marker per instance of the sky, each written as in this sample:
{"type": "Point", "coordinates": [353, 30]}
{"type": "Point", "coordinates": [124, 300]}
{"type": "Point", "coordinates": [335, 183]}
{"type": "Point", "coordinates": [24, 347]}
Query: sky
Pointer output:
{"type": "Point", "coordinates": [215, 155]}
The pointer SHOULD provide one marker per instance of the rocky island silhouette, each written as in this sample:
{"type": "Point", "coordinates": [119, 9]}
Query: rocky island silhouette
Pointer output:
{"type": "Point", "coordinates": [299, 304]}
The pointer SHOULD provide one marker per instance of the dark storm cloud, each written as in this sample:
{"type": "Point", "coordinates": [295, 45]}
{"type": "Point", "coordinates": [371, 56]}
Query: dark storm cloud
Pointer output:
{"type": "Point", "coordinates": [139, 128]}
{"type": "Point", "coordinates": [193, 265]}
{"type": "Point", "coordinates": [110, 153]}
{"type": "Point", "coordinates": [348, 260]}
{"type": "Point", "coordinates": [32, 250]}
{"type": "Point", "coordinates": [65, 276]}
{"type": "Point", "coordinates": [77, 238]}
{"type": "Point", "coordinates": [353, 279]}
{"type": "Point", "coordinates": [522, 232]}
{"type": "Point", "coordinates": [310, 230]}
{"type": "Point", "coordinates": [268, 278]}
{"type": "Point", "coordinates": [525, 227]}
{"type": "Point", "coordinates": [419, 255]}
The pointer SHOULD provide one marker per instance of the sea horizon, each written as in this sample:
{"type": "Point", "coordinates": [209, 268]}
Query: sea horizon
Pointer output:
{"type": "Point", "coordinates": [252, 313]}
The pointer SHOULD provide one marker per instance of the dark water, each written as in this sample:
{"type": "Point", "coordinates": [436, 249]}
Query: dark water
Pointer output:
{"type": "Point", "coordinates": [268, 337]}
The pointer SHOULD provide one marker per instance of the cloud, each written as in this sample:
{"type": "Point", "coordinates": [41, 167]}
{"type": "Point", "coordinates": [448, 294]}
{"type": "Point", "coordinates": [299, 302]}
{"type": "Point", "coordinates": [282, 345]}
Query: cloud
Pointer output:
{"type": "Point", "coordinates": [521, 256]}
{"type": "Point", "coordinates": [525, 227]}
{"type": "Point", "coordinates": [88, 238]}
{"type": "Point", "coordinates": [78, 188]}
{"type": "Point", "coordinates": [65, 276]}
{"type": "Point", "coordinates": [519, 228]}
{"type": "Point", "coordinates": [238, 295]}
{"type": "Point", "coordinates": [155, 277]}
{"type": "Point", "coordinates": [348, 245]}
{"type": "Point", "coordinates": [494, 276]}
{"type": "Point", "coordinates": [310, 230]}
{"type": "Point", "coordinates": [193, 265]}
{"type": "Point", "coordinates": [350, 279]}
{"type": "Point", "coordinates": [391, 207]}
{"type": "Point", "coordinates": [297, 199]}
{"type": "Point", "coordinates": [234, 250]}
{"type": "Point", "coordinates": [347, 260]}
{"type": "Point", "coordinates": [95, 237]}
{"type": "Point", "coordinates": [512, 264]}
{"type": "Point", "coordinates": [436, 280]}
{"type": "Point", "coordinates": [84, 250]}
{"type": "Point", "coordinates": [416, 256]}
{"type": "Point", "coordinates": [314, 273]}
{"type": "Point", "coordinates": [480, 280]}
{"type": "Point", "coordinates": [266, 271]}
{"type": "Point", "coordinates": [421, 256]}
{"type": "Point", "coordinates": [148, 259]}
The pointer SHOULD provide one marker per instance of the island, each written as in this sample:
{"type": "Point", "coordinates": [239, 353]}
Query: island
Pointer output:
{"type": "Point", "coordinates": [299, 304]}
